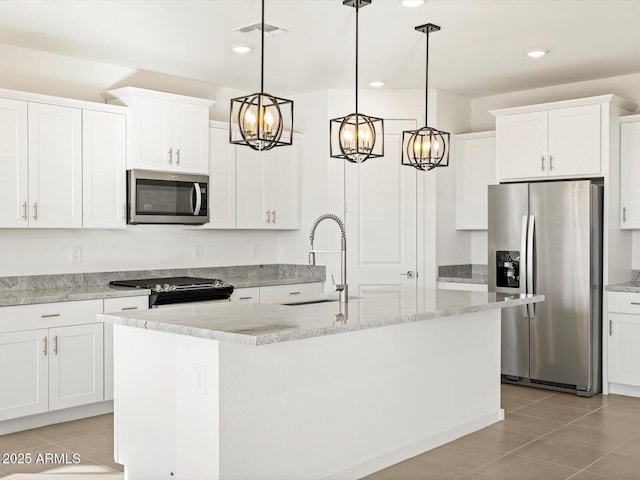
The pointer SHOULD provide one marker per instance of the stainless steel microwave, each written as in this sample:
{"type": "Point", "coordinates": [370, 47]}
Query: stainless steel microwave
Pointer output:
{"type": "Point", "coordinates": [164, 198]}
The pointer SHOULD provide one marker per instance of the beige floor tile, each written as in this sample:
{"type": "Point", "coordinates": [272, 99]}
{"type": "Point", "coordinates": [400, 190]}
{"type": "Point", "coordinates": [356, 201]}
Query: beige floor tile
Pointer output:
{"type": "Point", "coordinates": [97, 447]}
{"type": "Point", "coordinates": [617, 466]}
{"type": "Point", "coordinates": [418, 470]}
{"type": "Point", "coordinates": [477, 476]}
{"type": "Point", "coordinates": [624, 398]}
{"type": "Point", "coordinates": [106, 419]}
{"type": "Point", "coordinates": [631, 448]}
{"type": "Point", "coordinates": [14, 442]}
{"type": "Point", "coordinates": [591, 437]}
{"type": "Point", "coordinates": [515, 467]}
{"type": "Point", "coordinates": [625, 409]}
{"type": "Point", "coordinates": [64, 463]}
{"type": "Point", "coordinates": [461, 455]}
{"type": "Point", "coordinates": [584, 475]}
{"type": "Point", "coordinates": [64, 431]}
{"type": "Point", "coordinates": [573, 400]}
{"type": "Point", "coordinates": [528, 393]}
{"type": "Point", "coordinates": [610, 423]}
{"type": "Point", "coordinates": [553, 411]}
{"type": "Point", "coordinates": [497, 439]}
{"type": "Point", "coordinates": [516, 422]}
{"type": "Point", "coordinates": [513, 403]}
{"type": "Point", "coordinates": [561, 453]}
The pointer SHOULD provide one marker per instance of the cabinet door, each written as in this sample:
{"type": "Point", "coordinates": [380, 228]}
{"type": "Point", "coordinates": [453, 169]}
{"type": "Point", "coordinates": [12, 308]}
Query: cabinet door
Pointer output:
{"type": "Point", "coordinates": [103, 169]}
{"type": "Point", "coordinates": [297, 292]}
{"type": "Point", "coordinates": [190, 138]}
{"type": "Point", "coordinates": [252, 209]}
{"type": "Point", "coordinates": [151, 134]}
{"type": "Point", "coordinates": [75, 365]}
{"type": "Point", "coordinates": [629, 175]}
{"type": "Point", "coordinates": [222, 180]}
{"type": "Point", "coordinates": [14, 180]}
{"type": "Point", "coordinates": [624, 354]}
{"type": "Point", "coordinates": [55, 166]}
{"type": "Point", "coordinates": [522, 145]}
{"type": "Point", "coordinates": [246, 295]}
{"type": "Point", "coordinates": [574, 141]}
{"type": "Point", "coordinates": [284, 186]}
{"type": "Point", "coordinates": [475, 163]}
{"type": "Point", "coordinates": [23, 373]}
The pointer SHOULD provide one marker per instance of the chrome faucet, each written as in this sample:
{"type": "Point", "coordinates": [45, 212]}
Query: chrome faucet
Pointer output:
{"type": "Point", "coordinates": [342, 287]}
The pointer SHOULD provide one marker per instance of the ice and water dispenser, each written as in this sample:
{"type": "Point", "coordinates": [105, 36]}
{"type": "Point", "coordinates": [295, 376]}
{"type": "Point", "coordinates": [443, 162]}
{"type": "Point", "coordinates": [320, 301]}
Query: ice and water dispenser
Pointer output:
{"type": "Point", "coordinates": [508, 269]}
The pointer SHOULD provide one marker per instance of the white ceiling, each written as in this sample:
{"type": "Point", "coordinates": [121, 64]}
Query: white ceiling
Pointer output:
{"type": "Point", "coordinates": [479, 51]}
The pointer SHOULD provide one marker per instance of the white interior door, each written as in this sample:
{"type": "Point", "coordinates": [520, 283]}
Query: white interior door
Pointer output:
{"type": "Point", "coordinates": [381, 217]}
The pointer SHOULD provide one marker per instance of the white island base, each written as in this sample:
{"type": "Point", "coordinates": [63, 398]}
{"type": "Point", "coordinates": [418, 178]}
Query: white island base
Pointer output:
{"type": "Point", "coordinates": [330, 407]}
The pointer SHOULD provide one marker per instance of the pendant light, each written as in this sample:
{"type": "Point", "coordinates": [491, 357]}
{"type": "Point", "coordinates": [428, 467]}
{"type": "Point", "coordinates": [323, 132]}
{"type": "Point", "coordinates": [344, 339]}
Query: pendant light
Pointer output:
{"type": "Point", "coordinates": [426, 148]}
{"type": "Point", "coordinates": [260, 120]}
{"type": "Point", "coordinates": [356, 137]}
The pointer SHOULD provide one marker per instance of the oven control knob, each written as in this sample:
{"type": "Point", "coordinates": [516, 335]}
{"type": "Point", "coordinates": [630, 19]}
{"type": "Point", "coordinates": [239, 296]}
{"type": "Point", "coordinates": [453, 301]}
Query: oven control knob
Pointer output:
{"type": "Point", "coordinates": [167, 287]}
{"type": "Point", "coordinates": [158, 288]}
{"type": "Point", "coordinates": [218, 283]}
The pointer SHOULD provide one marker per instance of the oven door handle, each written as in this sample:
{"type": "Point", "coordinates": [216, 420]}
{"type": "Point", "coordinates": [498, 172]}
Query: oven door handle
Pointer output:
{"type": "Point", "coordinates": [198, 192]}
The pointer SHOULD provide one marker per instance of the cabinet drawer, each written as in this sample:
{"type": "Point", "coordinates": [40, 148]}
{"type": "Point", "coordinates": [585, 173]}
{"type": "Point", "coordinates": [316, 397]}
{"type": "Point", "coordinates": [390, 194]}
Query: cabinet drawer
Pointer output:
{"type": "Point", "coordinates": [126, 303]}
{"type": "Point", "coordinates": [246, 295]}
{"type": "Point", "coordinates": [48, 315]}
{"type": "Point", "coordinates": [623, 302]}
{"type": "Point", "coordinates": [299, 292]}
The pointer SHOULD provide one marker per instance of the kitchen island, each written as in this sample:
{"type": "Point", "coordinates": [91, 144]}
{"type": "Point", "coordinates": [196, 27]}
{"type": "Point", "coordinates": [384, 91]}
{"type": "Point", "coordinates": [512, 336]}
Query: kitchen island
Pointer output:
{"type": "Point", "coordinates": [312, 391]}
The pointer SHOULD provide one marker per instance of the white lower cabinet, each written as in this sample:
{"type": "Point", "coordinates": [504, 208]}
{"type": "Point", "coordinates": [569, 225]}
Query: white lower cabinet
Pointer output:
{"type": "Point", "coordinates": [294, 293]}
{"type": "Point", "coordinates": [246, 295]}
{"type": "Point", "coordinates": [624, 338]}
{"type": "Point", "coordinates": [117, 305]}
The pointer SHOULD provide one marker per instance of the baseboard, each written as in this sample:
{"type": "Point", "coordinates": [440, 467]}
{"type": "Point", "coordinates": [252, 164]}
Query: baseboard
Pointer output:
{"type": "Point", "coordinates": [621, 389]}
{"type": "Point", "coordinates": [417, 448]}
{"type": "Point", "coordinates": [57, 416]}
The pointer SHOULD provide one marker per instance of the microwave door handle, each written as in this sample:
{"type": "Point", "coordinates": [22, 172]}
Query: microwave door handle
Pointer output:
{"type": "Point", "coordinates": [196, 210]}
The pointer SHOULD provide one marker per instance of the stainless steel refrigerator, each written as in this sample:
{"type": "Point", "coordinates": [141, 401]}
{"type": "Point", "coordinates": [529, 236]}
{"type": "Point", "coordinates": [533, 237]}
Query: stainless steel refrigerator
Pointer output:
{"type": "Point", "coordinates": [546, 237]}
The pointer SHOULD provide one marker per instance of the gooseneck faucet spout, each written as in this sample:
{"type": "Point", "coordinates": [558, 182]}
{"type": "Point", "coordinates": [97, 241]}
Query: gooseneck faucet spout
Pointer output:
{"type": "Point", "coordinates": [342, 287]}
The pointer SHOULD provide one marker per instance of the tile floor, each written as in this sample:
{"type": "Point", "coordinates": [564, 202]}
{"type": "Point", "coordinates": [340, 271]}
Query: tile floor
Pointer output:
{"type": "Point", "coordinates": [545, 436]}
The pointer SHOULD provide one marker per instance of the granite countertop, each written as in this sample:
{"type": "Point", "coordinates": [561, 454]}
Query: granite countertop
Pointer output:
{"type": "Point", "coordinates": [466, 273]}
{"type": "Point", "coordinates": [32, 289]}
{"type": "Point", "coordinates": [259, 324]}
{"type": "Point", "coordinates": [633, 287]}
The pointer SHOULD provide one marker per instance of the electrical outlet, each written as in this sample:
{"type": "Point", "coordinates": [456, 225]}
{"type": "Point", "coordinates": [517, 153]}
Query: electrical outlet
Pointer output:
{"type": "Point", "coordinates": [76, 254]}
{"type": "Point", "coordinates": [197, 252]}
{"type": "Point", "coordinates": [255, 250]}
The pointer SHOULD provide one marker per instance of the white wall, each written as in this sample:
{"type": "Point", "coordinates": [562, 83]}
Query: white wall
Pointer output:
{"type": "Point", "coordinates": [627, 86]}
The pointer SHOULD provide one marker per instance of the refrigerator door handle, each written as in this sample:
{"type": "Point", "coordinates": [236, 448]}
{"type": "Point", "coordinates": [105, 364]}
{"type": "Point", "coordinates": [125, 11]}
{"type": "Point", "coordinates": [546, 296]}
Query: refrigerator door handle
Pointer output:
{"type": "Point", "coordinates": [523, 262]}
{"type": "Point", "coordinates": [530, 238]}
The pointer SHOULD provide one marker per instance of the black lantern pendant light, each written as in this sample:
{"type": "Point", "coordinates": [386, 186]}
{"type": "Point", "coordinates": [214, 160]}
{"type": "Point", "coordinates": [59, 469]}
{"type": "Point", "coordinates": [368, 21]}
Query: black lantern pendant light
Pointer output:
{"type": "Point", "coordinates": [356, 137]}
{"type": "Point", "coordinates": [261, 121]}
{"type": "Point", "coordinates": [427, 148]}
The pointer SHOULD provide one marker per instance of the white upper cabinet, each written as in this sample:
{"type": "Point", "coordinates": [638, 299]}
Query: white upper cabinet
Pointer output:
{"type": "Point", "coordinates": [167, 132]}
{"type": "Point", "coordinates": [55, 166]}
{"type": "Point", "coordinates": [14, 174]}
{"type": "Point", "coordinates": [103, 169]}
{"type": "Point", "coordinates": [630, 171]}
{"type": "Point", "coordinates": [267, 187]}
{"type": "Point", "coordinates": [475, 163]}
{"type": "Point", "coordinates": [222, 180]}
{"type": "Point", "coordinates": [554, 140]}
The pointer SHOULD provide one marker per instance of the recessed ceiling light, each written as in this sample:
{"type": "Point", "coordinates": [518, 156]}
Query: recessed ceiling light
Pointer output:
{"type": "Point", "coordinates": [241, 48]}
{"type": "Point", "coordinates": [412, 3]}
{"type": "Point", "coordinates": [537, 53]}
{"type": "Point", "coordinates": [376, 84]}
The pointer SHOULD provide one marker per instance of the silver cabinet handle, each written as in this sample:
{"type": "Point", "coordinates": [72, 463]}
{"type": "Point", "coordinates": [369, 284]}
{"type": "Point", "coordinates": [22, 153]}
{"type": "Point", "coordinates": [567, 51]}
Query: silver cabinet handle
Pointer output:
{"type": "Point", "coordinates": [635, 303]}
{"type": "Point", "coordinates": [294, 293]}
{"type": "Point", "coordinates": [170, 156]}
{"type": "Point", "coordinates": [25, 214]}
{"type": "Point", "coordinates": [550, 162]}
{"type": "Point", "coordinates": [245, 298]}
{"type": "Point", "coordinates": [49, 315]}
{"type": "Point", "coordinates": [35, 211]}
{"type": "Point", "coordinates": [178, 157]}
{"type": "Point", "coordinates": [610, 327]}
{"type": "Point", "coordinates": [55, 345]}
{"type": "Point", "coordinates": [268, 216]}
{"type": "Point", "coordinates": [624, 214]}
{"type": "Point", "coordinates": [274, 216]}
{"type": "Point", "coordinates": [129, 308]}
{"type": "Point", "coordinates": [542, 162]}
{"type": "Point", "coordinates": [45, 341]}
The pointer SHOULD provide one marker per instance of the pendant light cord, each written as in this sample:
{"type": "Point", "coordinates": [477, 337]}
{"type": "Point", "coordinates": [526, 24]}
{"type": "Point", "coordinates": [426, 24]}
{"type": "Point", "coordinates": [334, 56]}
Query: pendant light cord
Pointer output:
{"type": "Point", "coordinates": [426, 88]}
{"type": "Point", "coordinates": [262, 53]}
{"type": "Point", "coordinates": [357, 10]}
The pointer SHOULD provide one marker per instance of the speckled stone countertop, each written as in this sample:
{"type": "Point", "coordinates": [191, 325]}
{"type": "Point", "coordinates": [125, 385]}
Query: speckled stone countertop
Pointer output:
{"type": "Point", "coordinates": [633, 286]}
{"type": "Point", "coordinates": [259, 324]}
{"type": "Point", "coordinates": [26, 290]}
{"type": "Point", "coordinates": [466, 273]}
